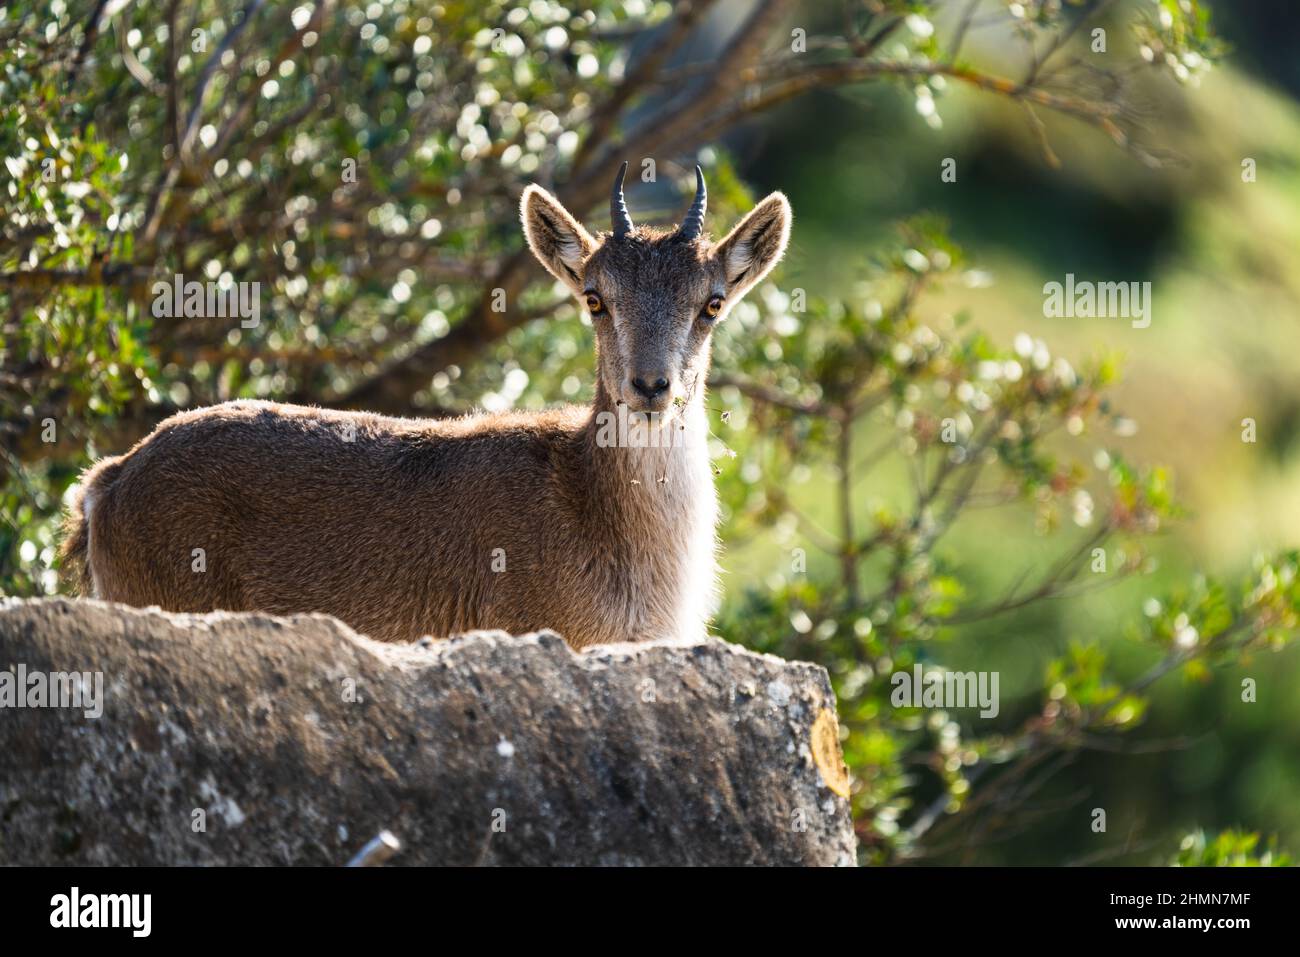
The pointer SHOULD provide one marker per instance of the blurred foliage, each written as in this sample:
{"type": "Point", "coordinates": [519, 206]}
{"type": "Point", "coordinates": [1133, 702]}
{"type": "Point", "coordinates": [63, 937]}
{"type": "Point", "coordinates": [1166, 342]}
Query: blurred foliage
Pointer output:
{"type": "Point", "coordinates": [1229, 849]}
{"type": "Point", "coordinates": [362, 162]}
{"type": "Point", "coordinates": [975, 427]}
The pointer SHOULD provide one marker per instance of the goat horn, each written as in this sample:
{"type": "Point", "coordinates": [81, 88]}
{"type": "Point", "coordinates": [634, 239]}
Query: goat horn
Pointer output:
{"type": "Point", "coordinates": [694, 221]}
{"type": "Point", "coordinates": [618, 214]}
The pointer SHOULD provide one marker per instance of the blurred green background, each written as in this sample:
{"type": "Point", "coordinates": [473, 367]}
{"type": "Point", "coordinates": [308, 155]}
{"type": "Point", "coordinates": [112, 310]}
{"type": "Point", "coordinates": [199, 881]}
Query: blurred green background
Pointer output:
{"type": "Point", "coordinates": [226, 162]}
{"type": "Point", "coordinates": [1223, 257]}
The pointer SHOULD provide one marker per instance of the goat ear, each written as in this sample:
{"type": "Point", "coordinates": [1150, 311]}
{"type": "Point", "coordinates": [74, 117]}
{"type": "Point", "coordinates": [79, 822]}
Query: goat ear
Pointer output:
{"type": "Point", "coordinates": [557, 239]}
{"type": "Point", "coordinates": [749, 251]}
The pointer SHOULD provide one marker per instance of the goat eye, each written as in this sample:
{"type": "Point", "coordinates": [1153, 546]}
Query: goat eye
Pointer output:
{"type": "Point", "coordinates": [594, 303]}
{"type": "Point", "coordinates": [714, 307]}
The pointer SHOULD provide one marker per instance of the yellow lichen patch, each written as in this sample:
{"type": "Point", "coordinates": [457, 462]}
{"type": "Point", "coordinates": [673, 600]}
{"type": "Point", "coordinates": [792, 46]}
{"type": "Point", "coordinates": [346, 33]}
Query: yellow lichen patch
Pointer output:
{"type": "Point", "coordinates": [826, 752]}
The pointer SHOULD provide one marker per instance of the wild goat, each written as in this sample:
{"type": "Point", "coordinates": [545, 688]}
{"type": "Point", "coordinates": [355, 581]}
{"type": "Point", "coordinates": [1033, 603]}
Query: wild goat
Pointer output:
{"type": "Point", "coordinates": [597, 522]}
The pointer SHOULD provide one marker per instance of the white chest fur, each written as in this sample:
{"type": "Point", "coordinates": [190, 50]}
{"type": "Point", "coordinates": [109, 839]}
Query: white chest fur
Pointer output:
{"type": "Point", "coordinates": [673, 585]}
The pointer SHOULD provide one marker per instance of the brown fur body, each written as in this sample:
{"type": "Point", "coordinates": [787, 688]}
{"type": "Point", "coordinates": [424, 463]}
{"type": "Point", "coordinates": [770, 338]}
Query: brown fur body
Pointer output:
{"type": "Point", "coordinates": [411, 527]}
{"type": "Point", "coordinates": [395, 532]}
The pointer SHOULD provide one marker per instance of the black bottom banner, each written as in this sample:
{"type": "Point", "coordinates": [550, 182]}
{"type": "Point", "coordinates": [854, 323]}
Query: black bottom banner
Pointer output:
{"type": "Point", "coordinates": [1225, 906]}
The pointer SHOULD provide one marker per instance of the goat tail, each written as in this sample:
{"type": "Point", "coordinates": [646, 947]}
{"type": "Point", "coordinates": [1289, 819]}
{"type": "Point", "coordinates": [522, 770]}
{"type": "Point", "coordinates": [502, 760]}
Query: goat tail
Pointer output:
{"type": "Point", "coordinates": [74, 552]}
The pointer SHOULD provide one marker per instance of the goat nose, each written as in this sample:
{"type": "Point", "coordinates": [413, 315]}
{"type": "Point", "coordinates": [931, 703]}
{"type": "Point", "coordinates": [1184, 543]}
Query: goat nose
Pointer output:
{"type": "Point", "coordinates": [649, 389]}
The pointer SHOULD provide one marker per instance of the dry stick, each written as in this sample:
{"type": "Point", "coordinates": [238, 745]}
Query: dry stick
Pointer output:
{"type": "Point", "coordinates": [1111, 853]}
{"type": "Point", "coordinates": [994, 821]}
{"type": "Point", "coordinates": [392, 388]}
{"type": "Point", "coordinates": [1176, 658]}
{"type": "Point", "coordinates": [958, 502]}
{"type": "Point", "coordinates": [209, 71]}
{"type": "Point", "coordinates": [137, 69]}
{"type": "Point", "coordinates": [287, 49]}
{"type": "Point", "coordinates": [92, 34]}
{"type": "Point", "coordinates": [256, 147]}
{"type": "Point", "coordinates": [1063, 37]}
{"type": "Point", "coordinates": [231, 125]}
{"type": "Point", "coordinates": [1065, 568]}
{"type": "Point", "coordinates": [161, 195]}
{"type": "Point", "coordinates": [604, 120]}
{"type": "Point", "coordinates": [836, 74]}
{"type": "Point", "coordinates": [875, 457]}
{"type": "Point", "coordinates": [94, 275]}
{"type": "Point", "coordinates": [768, 394]}
{"type": "Point", "coordinates": [162, 335]}
{"type": "Point", "coordinates": [819, 537]}
{"type": "Point", "coordinates": [959, 36]}
{"type": "Point", "coordinates": [935, 809]}
{"type": "Point", "coordinates": [1097, 743]}
{"type": "Point", "coordinates": [173, 86]}
{"type": "Point", "coordinates": [930, 821]}
{"type": "Point", "coordinates": [1000, 825]}
{"type": "Point", "coordinates": [848, 554]}
{"type": "Point", "coordinates": [1040, 130]}
{"type": "Point", "coordinates": [680, 115]}
{"type": "Point", "coordinates": [377, 851]}
{"type": "Point", "coordinates": [854, 39]}
{"type": "Point", "coordinates": [884, 33]}
{"type": "Point", "coordinates": [947, 466]}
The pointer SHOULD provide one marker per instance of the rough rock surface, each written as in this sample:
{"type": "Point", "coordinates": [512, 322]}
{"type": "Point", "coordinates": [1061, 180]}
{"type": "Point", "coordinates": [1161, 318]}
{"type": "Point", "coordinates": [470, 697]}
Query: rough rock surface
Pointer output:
{"type": "Point", "coordinates": [248, 739]}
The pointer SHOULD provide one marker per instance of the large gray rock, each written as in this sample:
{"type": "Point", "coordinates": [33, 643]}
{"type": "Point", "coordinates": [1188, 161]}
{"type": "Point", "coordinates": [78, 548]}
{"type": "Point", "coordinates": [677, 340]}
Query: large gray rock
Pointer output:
{"type": "Point", "coordinates": [247, 739]}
